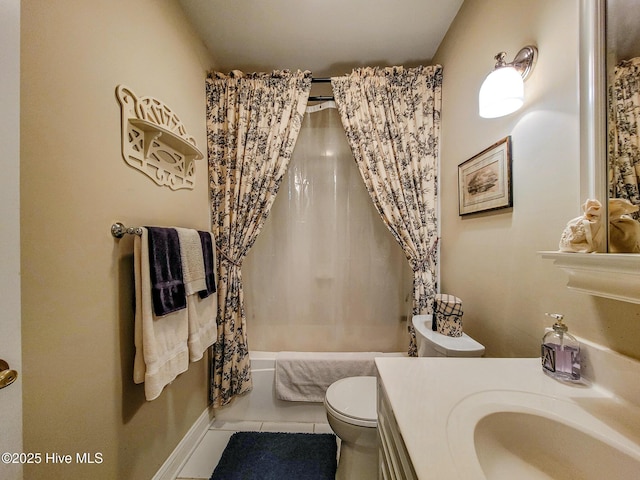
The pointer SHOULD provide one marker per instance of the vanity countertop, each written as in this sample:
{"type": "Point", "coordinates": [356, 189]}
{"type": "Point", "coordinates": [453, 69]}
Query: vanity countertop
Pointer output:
{"type": "Point", "coordinates": [437, 402]}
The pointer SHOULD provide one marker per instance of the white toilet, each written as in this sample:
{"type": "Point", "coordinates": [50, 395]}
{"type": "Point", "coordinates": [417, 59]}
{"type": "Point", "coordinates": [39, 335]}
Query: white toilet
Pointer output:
{"type": "Point", "coordinates": [351, 411]}
{"type": "Point", "coordinates": [434, 344]}
{"type": "Point", "coordinates": [351, 402]}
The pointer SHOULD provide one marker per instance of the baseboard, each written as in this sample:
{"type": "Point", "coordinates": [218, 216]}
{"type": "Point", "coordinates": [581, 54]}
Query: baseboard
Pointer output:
{"type": "Point", "coordinates": [172, 466]}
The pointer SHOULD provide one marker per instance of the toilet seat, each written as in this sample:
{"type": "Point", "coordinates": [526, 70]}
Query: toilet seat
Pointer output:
{"type": "Point", "coordinates": [353, 400]}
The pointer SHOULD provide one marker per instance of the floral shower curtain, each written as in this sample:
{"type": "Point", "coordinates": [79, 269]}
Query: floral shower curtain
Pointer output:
{"type": "Point", "coordinates": [624, 136]}
{"type": "Point", "coordinates": [391, 117]}
{"type": "Point", "coordinates": [253, 121]}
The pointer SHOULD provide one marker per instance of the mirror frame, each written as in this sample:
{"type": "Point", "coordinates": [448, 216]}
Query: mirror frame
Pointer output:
{"type": "Point", "coordinates": [593, 104]}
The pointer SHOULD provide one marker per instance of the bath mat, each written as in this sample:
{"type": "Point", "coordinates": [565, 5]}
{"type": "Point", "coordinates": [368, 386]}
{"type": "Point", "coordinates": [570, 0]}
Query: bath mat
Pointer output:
{"type": "Point", "coordinates": [278, 456]}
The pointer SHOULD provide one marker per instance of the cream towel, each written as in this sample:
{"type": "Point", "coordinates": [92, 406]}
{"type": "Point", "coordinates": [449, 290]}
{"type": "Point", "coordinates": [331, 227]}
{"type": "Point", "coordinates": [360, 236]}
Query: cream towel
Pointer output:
{"type": "Point", "coordinates": [584, 234]}
{"type": "Point", "coordinates": [305, 376]}
{"type": "Point", "coordinates": [161, 342]}
{"type": "Point", "coordinates": [192, 260]}
{"type": "Point", "coordinates": [201, 311]}
{"type": "Point", "coordinates": [624, 230]}
{"type": "Point", "coordinates": [202, 324]}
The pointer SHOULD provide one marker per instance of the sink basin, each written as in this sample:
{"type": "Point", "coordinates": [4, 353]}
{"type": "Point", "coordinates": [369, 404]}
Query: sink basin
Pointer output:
{"type": "Point", "coordinates": [503, 418]}
{"type": "Point", "coordinates": [526, 446]}
{"type": "Point", "coordinates": [509, 434]}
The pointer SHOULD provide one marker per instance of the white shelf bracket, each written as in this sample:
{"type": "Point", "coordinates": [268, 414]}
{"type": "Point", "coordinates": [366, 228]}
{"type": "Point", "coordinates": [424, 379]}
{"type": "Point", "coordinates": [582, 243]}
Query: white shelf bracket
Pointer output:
{"type": "Point", "coordinates": [155, 141]}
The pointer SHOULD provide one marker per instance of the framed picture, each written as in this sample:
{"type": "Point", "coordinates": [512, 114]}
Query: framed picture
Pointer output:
{"type": "Point", "coordinates": [484, 181]}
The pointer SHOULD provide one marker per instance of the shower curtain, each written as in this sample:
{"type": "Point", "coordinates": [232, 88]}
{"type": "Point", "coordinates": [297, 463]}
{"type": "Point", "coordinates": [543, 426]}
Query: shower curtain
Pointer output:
{"type": "Point", "coordinates": [392, 120]}
{"type": "Point", "coordinates": [253, 121]}
{"type": "Point", "coordinates": [624, 137]}
{"type": "Point", "coordinates": [342, 280]}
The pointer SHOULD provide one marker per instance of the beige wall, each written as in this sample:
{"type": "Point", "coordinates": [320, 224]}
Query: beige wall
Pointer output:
{"type": "Point", "coordinates": [489, 260]}
{"type": "Point", "coordinates": [76, 279]}
{"type": "Point", "coordinates": [77, 300]}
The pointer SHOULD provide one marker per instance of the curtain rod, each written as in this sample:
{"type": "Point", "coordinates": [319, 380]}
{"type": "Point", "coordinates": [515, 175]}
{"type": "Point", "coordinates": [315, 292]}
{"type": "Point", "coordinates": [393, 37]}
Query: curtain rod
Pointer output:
{"type": "Point", "coordinates": [321, 98]}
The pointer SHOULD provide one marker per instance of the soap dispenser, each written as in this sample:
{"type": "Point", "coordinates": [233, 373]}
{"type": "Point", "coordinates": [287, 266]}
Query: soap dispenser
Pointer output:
{"type": "Point", "coordinates": [560, 352]}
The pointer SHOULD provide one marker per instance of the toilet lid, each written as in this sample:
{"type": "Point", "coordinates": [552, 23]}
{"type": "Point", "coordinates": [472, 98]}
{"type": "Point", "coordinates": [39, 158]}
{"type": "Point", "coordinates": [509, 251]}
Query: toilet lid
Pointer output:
{"type": "Point", "coordinates": [354, 400]}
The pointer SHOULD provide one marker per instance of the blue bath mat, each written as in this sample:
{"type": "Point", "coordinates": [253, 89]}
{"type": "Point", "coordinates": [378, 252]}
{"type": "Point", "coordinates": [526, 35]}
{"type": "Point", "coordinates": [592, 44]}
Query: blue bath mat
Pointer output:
{"type": "Point", "coordinates": [278, 456]}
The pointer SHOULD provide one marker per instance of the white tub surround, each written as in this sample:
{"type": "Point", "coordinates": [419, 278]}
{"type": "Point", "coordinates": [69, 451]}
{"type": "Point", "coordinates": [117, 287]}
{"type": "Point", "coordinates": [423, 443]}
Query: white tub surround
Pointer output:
{"type": "Point", "coordinates": [439, 404]}
{"type": "Point", "coordinates": [262, 404]}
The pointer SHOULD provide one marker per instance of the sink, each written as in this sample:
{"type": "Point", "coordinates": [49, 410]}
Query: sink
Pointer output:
{"type": "Point", "coordinates": [503, 418]}
{"type": "Point", "coordinates": [509, 434]}
{"type": "Point", "coordinates": [535, 447]}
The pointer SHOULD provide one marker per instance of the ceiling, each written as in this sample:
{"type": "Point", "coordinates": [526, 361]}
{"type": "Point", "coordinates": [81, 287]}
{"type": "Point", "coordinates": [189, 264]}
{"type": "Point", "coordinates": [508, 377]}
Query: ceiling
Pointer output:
{"type": "Point", "coordinates": [328, 37]}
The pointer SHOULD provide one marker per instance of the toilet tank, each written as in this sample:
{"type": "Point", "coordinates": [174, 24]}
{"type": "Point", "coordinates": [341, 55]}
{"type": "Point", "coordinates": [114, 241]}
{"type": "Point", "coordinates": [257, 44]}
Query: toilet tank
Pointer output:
{"type": "Point", "coordinates": [426, 349]}
{"type": "Point", "coordinates": [434, 344]}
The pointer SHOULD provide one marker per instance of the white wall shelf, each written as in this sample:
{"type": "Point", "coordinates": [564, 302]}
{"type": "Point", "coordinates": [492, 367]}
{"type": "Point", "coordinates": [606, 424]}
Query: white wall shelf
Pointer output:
{"type": "Point", "coordinates": [610, 275]}
{"type": "Point", "coordinates": [155, 141]}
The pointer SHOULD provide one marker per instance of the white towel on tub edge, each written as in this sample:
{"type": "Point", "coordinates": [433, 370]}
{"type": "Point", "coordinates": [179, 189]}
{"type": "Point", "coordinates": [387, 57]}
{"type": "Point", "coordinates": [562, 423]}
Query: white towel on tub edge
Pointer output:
{"type": "Point", "coordinates": [305, 376]}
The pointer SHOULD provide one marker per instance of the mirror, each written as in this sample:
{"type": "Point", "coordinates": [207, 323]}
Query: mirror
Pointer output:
{"type": "Point", "coordinates": [610, 275]}
{"type": "Point", "coordinates": [622, 87]}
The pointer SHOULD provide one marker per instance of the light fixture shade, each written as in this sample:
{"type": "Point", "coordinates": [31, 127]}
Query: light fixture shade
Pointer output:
{"type": "Point", "coordinates": [502, 93]}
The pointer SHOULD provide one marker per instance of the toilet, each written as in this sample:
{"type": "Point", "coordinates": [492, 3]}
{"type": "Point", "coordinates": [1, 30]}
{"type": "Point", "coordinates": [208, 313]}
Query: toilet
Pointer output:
{"type": "Point", "coordinates": [351, 412]}
{"type": "Point", "coordinates": [351, 402]}
{"type": "Point", "coordinates": [433, 344]}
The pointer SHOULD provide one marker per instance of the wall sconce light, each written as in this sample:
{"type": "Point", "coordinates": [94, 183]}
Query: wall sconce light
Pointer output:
{"type": "Point", "coordinates": [502, 92]}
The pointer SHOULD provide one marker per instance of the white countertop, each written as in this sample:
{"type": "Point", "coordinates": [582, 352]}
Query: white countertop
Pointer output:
{"type": "Point", "coordinates": [423, 393]}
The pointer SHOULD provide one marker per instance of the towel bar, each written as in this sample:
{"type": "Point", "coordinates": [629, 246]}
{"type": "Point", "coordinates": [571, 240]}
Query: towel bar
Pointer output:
{"type": "Point", "coordinates": [118, 230]}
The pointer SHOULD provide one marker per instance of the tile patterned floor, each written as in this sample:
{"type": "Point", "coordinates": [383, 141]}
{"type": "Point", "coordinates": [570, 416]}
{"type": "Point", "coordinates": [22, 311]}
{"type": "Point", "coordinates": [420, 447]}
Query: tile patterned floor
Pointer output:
{"type": "Point", "coordinates": [207, 454]}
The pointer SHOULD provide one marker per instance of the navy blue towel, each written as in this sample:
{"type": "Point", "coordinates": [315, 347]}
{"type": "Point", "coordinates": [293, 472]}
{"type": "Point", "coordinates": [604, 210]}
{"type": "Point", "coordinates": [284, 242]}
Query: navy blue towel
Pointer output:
{"type": "Point", "coordinates": [165, 269]}
{"type": "Point", "coordinates": [209, 262]}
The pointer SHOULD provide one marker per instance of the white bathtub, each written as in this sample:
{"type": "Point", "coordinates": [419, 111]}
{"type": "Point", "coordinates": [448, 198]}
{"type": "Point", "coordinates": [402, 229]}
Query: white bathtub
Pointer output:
{"type": "Point", "coordinates": [261, 403]}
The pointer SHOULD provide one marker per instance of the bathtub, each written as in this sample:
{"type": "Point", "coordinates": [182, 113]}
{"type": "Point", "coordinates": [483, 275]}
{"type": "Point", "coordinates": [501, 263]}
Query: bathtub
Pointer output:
{"type": "Point", "coordinates": [261, 403]}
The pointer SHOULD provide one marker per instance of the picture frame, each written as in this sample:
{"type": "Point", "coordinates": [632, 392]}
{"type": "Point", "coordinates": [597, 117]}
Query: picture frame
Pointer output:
{"type": "Point", "coordinates": [484, 181]}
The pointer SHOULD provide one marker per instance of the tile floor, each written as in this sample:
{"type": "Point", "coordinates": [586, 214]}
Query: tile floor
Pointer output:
{"type": "Point", "coordinates": [205, 457]}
